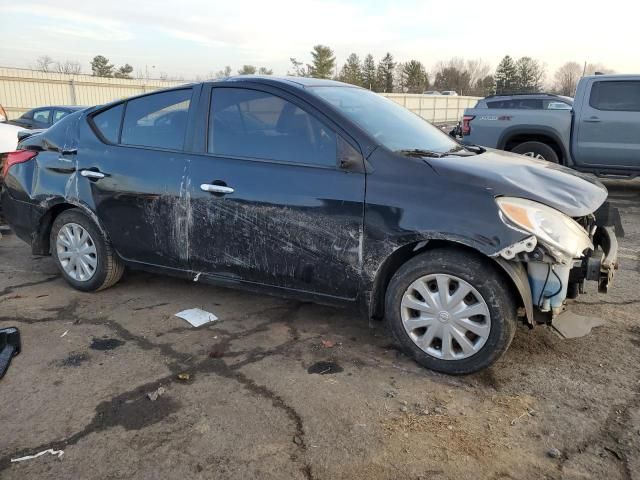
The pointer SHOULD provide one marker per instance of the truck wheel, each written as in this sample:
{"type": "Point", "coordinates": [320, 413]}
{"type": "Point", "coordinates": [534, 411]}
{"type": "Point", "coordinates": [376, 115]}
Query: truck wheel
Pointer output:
{"type": "Point", "coordinates": [538, 150]}
{"type": "Point", "coordinates": [451, 311]}
{"type": "Point", "coordinates": [82, 253]}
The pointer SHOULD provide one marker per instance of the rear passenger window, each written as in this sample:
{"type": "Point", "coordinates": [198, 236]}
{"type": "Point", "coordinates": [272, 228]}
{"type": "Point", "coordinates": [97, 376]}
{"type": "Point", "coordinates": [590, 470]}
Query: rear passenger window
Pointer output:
{"type": "Point", "coordinates": [158, 120]}
{"type": "Point", "coordinates": [621, 96]}
{"type": "Point", "coordinates": [108, 123]}
{"type": "Point", "coordinates": [254, 124]}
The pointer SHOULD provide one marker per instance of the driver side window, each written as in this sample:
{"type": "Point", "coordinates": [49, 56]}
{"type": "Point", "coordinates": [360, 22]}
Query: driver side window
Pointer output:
{"type": "Point", "coordinates": [255, 124]}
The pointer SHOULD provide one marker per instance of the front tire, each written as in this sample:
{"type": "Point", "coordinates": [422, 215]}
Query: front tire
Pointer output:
{"type": "Point", "coordinates": [82, 253]}
{"type": "Point", "coordinates": [451, 311]}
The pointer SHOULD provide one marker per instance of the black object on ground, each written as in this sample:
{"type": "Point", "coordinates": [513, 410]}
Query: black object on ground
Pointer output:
{"type": "Point", "coordinates": [10, 346]}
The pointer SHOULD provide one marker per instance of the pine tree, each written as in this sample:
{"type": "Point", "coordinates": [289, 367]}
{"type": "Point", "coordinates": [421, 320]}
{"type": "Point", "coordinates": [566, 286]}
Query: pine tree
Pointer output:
{"type": "Point", "coordinates": [101, 67]}
{"type": "Point", "coordinates": [415, 77]}
{"type": "Point", "coordinates": [529, 75]}
{"type": "Point", "coordinates": [124, 71]}
{"type": "Point", "coordinates": [506, 76]}
{"type": "Point", "coordinates": [323, 63]}
{"type": "Point", "coordinates": [384, 74]}
{"type": "Point", "coordinates": [351, 71]}
{"type": "Point", "coordinates": [369, 73]}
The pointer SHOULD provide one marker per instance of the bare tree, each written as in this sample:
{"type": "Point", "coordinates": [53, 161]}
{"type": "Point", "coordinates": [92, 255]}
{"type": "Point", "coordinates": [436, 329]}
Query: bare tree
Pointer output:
{"type": "Point", "coordinates": [566, 78]}
{"type": "Point", "coordinates": [592, 68]}
{"type": "Point", "coordinates": [45, 63]}
{"type": "Point", "coordinates": [478, 70]}
{"type": "Point", "coordinates": [223, 73]}
{"type": "Point", "coordinates": [70, 66]}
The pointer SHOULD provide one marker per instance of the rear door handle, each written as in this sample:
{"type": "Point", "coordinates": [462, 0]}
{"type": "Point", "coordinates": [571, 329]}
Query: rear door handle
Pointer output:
{"type": "Point", "coordinates": [592, 120]}
{"type": "Point", "coordinates": [92, 174]}
{"type": "Point", "coordinates": [207, 187]}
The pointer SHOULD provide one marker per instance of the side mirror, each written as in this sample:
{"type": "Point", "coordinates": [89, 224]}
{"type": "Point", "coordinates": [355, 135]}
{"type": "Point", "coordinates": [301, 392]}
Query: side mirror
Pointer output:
{"type": "Point", "coordinates": [10, 346]}
{"type": "Point", "coordinates": [348, 157]}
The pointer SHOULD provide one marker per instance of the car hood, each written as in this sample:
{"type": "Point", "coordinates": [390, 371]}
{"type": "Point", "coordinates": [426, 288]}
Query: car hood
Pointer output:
{"type": "Point", "coordinates": [507, 174]}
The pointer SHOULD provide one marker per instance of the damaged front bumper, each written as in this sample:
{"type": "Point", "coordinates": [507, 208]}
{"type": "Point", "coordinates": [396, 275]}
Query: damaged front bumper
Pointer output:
{"type": "Point", "coordinates": [545, 282]}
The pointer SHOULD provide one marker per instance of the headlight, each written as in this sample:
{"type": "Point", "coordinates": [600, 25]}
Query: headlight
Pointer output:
{"type": "Point", "coordinates": [552, 228]}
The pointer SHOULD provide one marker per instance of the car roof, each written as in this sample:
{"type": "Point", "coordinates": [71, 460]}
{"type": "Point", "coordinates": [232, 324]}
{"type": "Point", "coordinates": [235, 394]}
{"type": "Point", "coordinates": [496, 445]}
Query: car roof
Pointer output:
{"type": "Point", "coordinates": [61, 107]}
{"type": "Point", "coordinates": [301, 82]}
{"type": "Point", "coordinates": [528, 95]}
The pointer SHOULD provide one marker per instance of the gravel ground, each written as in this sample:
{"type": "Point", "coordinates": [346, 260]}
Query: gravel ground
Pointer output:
{"type": "Point", "coordinates": [252, 406]}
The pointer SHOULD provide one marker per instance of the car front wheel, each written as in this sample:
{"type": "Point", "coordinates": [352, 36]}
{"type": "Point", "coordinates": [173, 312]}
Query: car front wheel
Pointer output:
{"type": "Point", "coordinates": [451, 311]}
{"type": "Point", "coordinates": [82, 253]}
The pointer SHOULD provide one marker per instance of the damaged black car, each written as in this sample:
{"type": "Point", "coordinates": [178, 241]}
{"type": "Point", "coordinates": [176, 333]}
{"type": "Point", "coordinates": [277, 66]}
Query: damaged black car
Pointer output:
{"type": "Point", "coordinates": [316, 190]}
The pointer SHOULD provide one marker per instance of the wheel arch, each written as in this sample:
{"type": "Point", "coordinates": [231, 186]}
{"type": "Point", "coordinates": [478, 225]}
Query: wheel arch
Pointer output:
{"type": "Point", "coordinates": [40, 244]}
{"type": "Point", "coordinates": [514, 275]}
{"type": "Point", "coordinates": [515, 136]}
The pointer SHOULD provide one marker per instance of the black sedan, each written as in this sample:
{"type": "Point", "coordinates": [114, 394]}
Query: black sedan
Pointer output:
{"type": "Point", "coordinates": [317, 190]}
{"type": "Point", "coordinates": [43, 117]}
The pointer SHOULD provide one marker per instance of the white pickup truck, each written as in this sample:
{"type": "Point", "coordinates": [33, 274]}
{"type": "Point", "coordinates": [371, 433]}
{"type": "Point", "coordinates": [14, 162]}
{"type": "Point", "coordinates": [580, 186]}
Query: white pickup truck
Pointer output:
{"type": "Point", "coordinates": [599, 133]}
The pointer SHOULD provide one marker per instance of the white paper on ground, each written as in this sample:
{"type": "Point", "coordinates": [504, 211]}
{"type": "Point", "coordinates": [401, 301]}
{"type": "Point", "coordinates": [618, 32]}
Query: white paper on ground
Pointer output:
{"type": "Point", "coordinates": [197, 317]}
{"type": "Point", "coordinates": [58, 453]}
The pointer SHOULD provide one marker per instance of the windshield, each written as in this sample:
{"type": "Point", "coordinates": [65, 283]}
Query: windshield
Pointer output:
{"type": "Point", "coordinates": [392, 125]}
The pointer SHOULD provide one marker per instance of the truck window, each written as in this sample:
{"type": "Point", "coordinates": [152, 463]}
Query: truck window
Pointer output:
{"type": "Point", "coordinates": [517, 104]}
{"type": "Point", "coordinates": [621, 96]}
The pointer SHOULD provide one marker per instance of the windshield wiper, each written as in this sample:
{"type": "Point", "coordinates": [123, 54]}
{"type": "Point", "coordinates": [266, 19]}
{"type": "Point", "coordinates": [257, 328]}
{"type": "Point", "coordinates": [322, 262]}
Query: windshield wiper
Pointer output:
{"type": "Point", "coordinates": [417, 152]}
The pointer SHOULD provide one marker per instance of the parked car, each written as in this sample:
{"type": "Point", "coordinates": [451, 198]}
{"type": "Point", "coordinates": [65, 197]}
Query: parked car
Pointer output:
{"type": "Point", "coordinates": [317, 190]}
{"type": "Point", "coordinates": [432, 92]}
{"type": "Point", "coordinates": [43, 117]}
{"type": "Point", "coordinates": [9, 136]}
{"type": "Point", "coordinates": [599, 134]}
{"type": "Point", "coordinates": [450, 93]}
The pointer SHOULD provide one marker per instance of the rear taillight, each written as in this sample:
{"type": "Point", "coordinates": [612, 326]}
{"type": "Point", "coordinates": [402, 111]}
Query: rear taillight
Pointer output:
{"type": "Point", "coordinates": [13, 158]}
{"type": "Point", "coordinates": [466, 124]}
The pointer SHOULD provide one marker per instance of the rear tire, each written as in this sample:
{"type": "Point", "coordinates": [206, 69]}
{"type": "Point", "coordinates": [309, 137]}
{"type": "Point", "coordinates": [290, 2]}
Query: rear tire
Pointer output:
{"type": "Point", "coordinates": [537, 150]}
{"type": "Point", "coordinates": [82, 253]}
{"type": "Point", "coordinates": [475, 340]}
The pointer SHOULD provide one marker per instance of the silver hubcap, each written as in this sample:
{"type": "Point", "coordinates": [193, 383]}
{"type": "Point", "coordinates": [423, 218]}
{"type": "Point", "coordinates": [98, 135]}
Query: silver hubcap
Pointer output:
{"type": "Point", "coordinates": [445, 316]}
{"type": "Point", "coordinates": [76, 252]}
{"type": "Point", "coordinates": [534, 155]}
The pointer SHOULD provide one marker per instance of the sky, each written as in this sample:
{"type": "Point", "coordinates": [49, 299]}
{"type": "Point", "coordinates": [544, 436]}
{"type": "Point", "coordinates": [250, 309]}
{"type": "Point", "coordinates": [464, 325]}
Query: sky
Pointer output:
{"type": "Point", "coordinates": [193, 38]}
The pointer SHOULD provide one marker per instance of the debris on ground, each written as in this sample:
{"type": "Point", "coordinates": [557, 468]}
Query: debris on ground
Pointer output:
{"type": "Point", "coordinates": [325, 368]}
{"type": "Point", "coordinates": [554, 453]}
{"type": "Point", "coordinates": [64, 334]}
{"type": "Point", "coordinates": [184, 377]}
{"type": "Point", "coordinates": [153, 396]}
{"type": "Point", "coordinates": [391, 394]}
{"type": "Point", "coordinates": [58, 453]}
{"type": "Point", "coordinates": [328, 343]}
{"type": "Point", "coordinates": [196, 317]}
{"type": "Point", "coordinates": [104, 344]}
{"type": "Point", "coordinates": [297, 440]}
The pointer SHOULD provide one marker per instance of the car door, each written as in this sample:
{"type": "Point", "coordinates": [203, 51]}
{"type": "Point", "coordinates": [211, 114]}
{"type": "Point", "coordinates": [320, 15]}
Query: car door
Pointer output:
{"type": "Point", "coordinates": [136, 162]}
{"type": "Point", "coordinates": [270, 205]}
{"type": "Point", "coordinates": [608, 128]}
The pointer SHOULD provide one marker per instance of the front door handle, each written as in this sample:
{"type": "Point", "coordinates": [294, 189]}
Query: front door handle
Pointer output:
{"type": "Point", "coordinates": [207, 187]}
{"type": "Point", "coordinates": [592, 120]}
{"type": "Point", "coordinates": [92, 174]}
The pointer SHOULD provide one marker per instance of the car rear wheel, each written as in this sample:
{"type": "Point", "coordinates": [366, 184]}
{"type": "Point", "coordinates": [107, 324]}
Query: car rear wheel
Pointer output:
{"type": "Point", "coordinates": [537, 150]}
{"type": "Point", "coordinates": [82, 253]}
{"type": "Point", "coordinates": [451, 311]}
